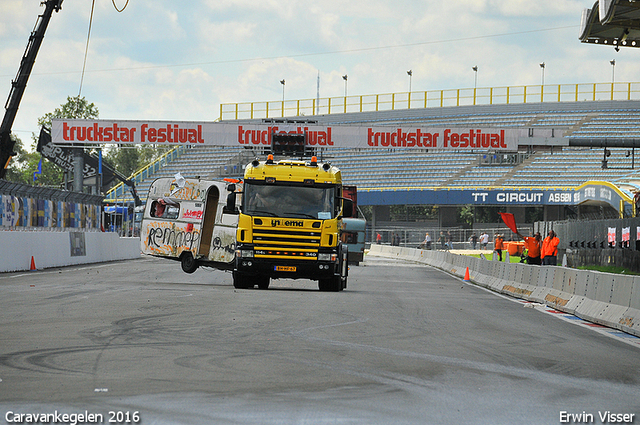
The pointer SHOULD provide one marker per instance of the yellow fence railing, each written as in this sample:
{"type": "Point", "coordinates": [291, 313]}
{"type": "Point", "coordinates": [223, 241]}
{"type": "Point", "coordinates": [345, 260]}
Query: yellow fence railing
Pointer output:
{"type": "Point", "coordinates": [430, 99]}
{"type": "Point", "coordinates": [119, 191]}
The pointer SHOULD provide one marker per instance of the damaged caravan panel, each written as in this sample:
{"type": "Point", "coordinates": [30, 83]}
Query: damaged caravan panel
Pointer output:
{"type": "Point", "coordinates": [193, 221]}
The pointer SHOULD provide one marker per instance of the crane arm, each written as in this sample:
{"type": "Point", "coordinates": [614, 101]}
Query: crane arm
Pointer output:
{"type": "Point", "coordinates": [19, 84]}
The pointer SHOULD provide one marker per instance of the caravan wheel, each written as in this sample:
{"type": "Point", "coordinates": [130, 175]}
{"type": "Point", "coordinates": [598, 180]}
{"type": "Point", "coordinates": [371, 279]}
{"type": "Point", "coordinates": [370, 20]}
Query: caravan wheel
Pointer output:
{"type": "Point", "coordinates": [188, 263]}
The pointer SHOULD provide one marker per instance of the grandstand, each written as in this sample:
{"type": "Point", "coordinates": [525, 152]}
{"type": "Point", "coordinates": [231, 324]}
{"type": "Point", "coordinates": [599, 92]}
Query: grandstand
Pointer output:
{"type": "Point", "coordinates": [535, 166]}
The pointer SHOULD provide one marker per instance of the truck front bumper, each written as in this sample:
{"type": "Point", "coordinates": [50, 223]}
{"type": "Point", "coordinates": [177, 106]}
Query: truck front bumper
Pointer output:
{"type": "Point", "coordinates": [287, 269]}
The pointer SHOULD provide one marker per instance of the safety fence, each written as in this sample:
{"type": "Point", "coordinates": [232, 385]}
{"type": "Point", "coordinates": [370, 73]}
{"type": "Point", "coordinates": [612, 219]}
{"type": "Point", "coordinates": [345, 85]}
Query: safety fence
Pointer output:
{"type": "Point", "coordinates": [24, 207]}
{"type": "Point", "coordinates": [457, 238]}
{"type": "Point", "coordinates": [430, 99]}
{"type": "Point", "coordinates": [608, 299]}
{"type": "Point", "coordinates": [607, 242]}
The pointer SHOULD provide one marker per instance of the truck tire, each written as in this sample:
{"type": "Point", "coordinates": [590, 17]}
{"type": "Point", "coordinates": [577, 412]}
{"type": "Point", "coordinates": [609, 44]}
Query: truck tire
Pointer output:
{"type": "Point", "coordinates": [188, 263]}
{"type": "Point", "coordinates": [333, 284]}
{"type": "Point", "coordinates": [263, 282]}
{"type": "Point", "coordinates": [241, 281]}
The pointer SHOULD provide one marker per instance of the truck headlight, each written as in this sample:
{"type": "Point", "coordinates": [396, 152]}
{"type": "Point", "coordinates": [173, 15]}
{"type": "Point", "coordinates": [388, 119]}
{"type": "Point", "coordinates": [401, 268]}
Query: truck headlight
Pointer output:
{"type": "Point", "coordinates": [327, 257]}
{"type": "Point", "coordinates": [245, 253]}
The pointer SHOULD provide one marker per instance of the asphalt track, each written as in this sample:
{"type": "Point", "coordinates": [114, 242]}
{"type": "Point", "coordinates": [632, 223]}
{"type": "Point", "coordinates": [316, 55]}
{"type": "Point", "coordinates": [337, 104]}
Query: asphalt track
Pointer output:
{"type": "Point", "coordinates": [404, 344]}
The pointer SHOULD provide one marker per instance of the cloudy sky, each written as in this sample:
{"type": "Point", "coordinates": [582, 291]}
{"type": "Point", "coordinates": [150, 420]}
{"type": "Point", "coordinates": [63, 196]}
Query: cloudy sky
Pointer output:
{"type": "Point", "coordinates": [179, 60]}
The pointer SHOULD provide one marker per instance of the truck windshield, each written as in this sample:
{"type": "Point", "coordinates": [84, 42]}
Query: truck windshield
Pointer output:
{"type": "Point", "coordinates": [289, 201]}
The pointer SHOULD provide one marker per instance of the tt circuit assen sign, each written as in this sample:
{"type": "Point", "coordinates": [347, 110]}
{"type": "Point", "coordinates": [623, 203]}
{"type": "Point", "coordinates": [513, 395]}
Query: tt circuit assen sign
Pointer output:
{"type": "Point", "coordinates": [234, 134]}
{"type": "Point", "coordinates": [467, 197]}
{"type": "Point", "coordinates": [594, 192]}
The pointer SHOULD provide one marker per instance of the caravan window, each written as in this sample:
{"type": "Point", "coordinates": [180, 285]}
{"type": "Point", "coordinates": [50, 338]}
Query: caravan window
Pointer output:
{"type": "Point", "coordinates": [163, 209]}
{"type": "Point", "coordinates": [172, 212]}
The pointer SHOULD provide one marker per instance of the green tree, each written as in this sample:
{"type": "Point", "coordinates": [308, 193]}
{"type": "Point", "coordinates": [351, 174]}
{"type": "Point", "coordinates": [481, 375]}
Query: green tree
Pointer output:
{"type": "Point", "coordinates": [465, 215]}
{"type": "Point", "coordinates": [125, 160]}
{"type": "Point", "coordinates": [24, 164]}
{"type": "Point", "coordinates": [14, 171]}
{"type": "Point", "coordinates": [76, 107]}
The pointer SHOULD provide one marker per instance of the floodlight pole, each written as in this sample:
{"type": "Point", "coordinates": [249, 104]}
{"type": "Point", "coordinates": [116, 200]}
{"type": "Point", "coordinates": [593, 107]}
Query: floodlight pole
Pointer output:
{"type": "Point", "coordinates": [475, 80]}
{"type": "Point", "coordinates": [282, 82]}
{"type": "Point", "coordinates": [410, 73]}
{"type": "Point", "coordinates": [613, 70]}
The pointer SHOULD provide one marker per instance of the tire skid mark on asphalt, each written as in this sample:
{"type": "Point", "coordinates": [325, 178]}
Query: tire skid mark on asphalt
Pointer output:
{"type": "Point", "coordinates": [482, 367]}
{"type": "Point", "coordinates": [44, 360]}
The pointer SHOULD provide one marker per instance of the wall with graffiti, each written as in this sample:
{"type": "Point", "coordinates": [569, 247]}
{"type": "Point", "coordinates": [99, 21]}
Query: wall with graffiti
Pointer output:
{"type": "Point", "coordinates": [17, 212]}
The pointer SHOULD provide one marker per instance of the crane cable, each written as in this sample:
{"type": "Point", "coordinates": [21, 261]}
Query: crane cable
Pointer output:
{"type": "Point", "coordinates": [123, 7]}
{"type": "Point", "coordinates": [86, 49]}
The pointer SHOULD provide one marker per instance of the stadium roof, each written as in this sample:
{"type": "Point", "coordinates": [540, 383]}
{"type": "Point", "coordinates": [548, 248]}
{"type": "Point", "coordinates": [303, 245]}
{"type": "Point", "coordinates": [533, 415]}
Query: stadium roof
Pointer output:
{"type": "Point", "coordinates": [612, 23]}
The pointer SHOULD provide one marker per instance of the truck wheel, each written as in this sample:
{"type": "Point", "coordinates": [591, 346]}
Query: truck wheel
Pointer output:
{"type": "Point", "coordinates": [241, 281]}
{"type": "Point", "coordinates": [263, 282]}
{"type": "Point", "coordinates": [188, 263]}
{"type": "Point", "coordinates": [333, 284]}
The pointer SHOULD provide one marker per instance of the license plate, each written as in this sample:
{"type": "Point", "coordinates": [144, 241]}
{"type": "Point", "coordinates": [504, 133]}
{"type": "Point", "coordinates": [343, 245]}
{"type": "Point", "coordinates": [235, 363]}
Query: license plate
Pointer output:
{"type": "Point", "coordinates": [285, 268]}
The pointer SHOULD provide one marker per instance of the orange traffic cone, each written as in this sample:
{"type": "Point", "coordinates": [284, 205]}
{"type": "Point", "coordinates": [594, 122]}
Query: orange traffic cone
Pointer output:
{"type": "Point", "coordinates": [33, 263]}
{"type": "Point", "coordinates": [466, 275]}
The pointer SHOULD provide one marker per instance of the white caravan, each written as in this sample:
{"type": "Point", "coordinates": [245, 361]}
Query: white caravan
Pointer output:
{"type": "Point", "coordinates": [193, 221]}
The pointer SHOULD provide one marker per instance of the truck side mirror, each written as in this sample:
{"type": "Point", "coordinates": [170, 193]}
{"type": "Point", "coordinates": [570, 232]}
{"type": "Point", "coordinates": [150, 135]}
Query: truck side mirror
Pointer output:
{"type": "Point", "coordinates": [230, 208]}
{"type": "Point", "coordinates": [347, 208]}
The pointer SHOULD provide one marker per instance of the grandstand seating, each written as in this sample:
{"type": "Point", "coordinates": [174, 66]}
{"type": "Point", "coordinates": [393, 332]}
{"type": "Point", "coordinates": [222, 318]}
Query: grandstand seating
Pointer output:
{"type": "Point", "coordinates": [564, 167]}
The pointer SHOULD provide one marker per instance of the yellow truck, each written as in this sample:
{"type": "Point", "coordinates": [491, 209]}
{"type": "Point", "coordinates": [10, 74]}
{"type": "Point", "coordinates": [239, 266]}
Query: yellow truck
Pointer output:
{"type": "Point", "coordinates": [289, 224]}
{"type": "Point", "coordinates": [192, 221]}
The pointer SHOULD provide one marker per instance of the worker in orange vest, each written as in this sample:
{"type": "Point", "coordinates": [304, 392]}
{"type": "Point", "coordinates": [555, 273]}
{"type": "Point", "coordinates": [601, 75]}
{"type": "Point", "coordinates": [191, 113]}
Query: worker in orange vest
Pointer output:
{"type": "Point", "coordinates": [498, 246]}
{"type": "Point", "coordinates": [549, 252]}
{"type": "Point", "coordinates": [533, 245]}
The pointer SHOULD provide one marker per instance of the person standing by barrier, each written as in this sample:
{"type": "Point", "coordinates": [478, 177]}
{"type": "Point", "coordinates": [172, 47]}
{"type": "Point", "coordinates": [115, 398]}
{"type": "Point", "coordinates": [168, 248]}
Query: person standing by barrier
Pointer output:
{"type": "Point", "coordinates": [443, 241]}
{"type": "Point", "coordinates": [484, 240]}
{"type": "Point", "coordinates": [474, 240]}
{"type": "Point", "coordinates": [498, 245]}
{"type": "Point", "coordinates": [426, 243]}
{"type": "Point", "coordinates": [549, 251]}
{"type": "Point", "coordinates": [533, 244]}
{"type": "Point", "coordinates": [378, 238]}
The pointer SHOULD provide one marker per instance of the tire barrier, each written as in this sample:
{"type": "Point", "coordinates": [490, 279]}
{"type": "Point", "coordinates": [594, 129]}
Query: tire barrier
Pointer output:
{"type": "Point", "coordinates": [20, 250]}
{"type": "Point", "coordinates": [607, 299]}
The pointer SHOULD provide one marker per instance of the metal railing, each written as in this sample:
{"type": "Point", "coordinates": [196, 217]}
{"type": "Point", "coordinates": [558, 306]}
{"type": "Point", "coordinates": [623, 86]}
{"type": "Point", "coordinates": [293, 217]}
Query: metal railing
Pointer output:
{"type": "Point", "coordinates": [433, 98]}
{"type": "Point", "coordinates": [413, 237]}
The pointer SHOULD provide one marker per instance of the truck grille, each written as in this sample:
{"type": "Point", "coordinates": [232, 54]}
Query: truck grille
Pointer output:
{"type": "Point", "coordinates": [286, 244]}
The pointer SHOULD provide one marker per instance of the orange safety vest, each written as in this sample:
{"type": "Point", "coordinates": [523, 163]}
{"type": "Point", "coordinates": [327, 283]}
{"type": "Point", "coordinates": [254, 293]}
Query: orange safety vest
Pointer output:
{"type": "Point", "coordinates": [550, 247]}
{"type": "Point", "coordinates": [533, 247]}
{"type": "Point", "coordinates": [498, 243]}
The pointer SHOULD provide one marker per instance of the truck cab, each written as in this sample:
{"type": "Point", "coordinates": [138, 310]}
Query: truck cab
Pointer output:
{"type": "Point", "coordinates": [290, 223]}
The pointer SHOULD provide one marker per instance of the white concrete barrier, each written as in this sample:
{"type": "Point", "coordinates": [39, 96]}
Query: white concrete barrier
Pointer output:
{"type": "Point", "coordinates": [57, 249]}
{"type": "Point", "coordinates": [608, 299]}
{"type": "Point", "coordinates": [630, 320]}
